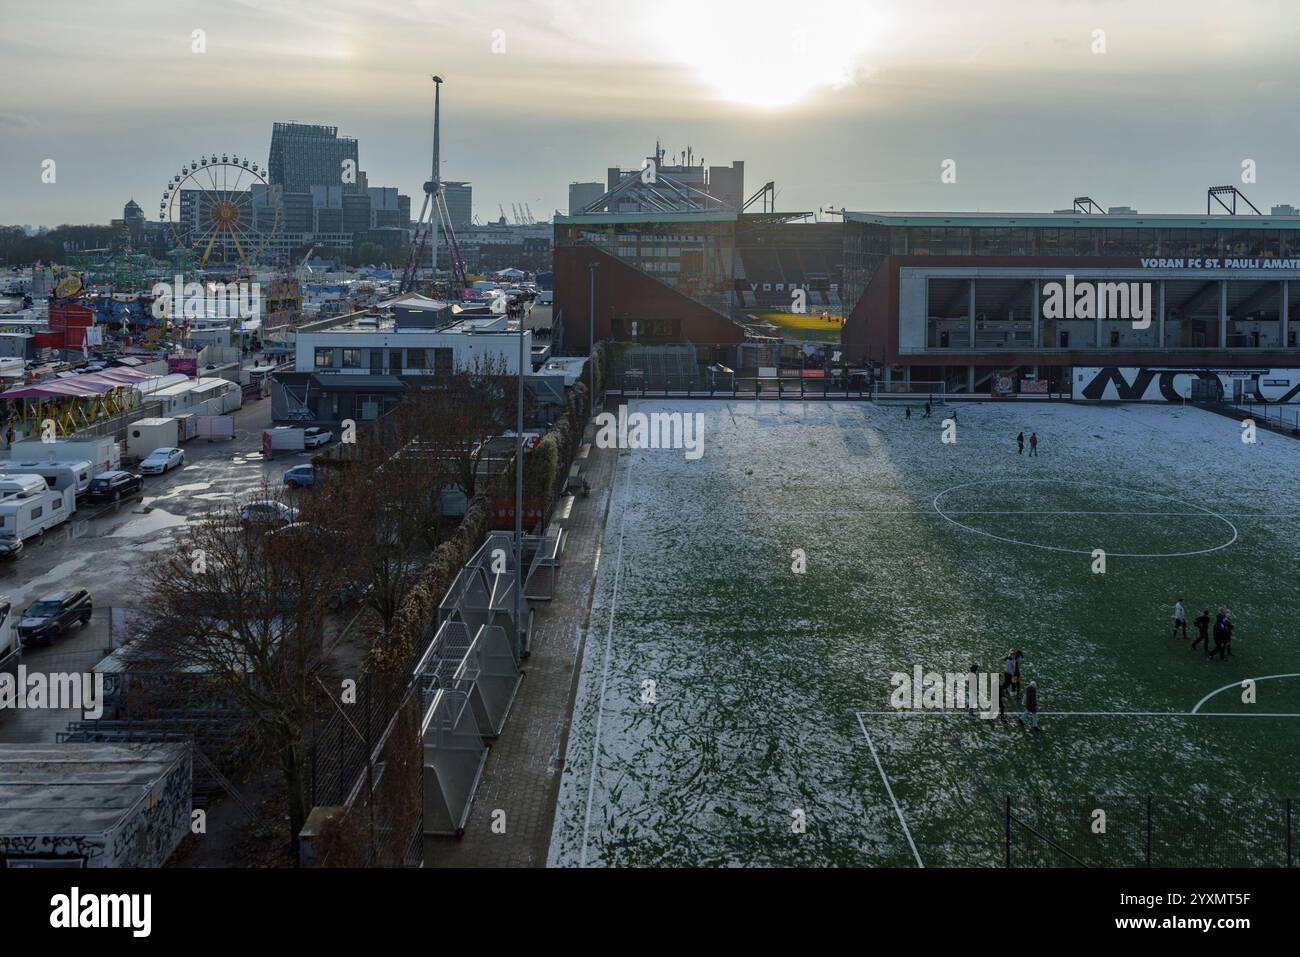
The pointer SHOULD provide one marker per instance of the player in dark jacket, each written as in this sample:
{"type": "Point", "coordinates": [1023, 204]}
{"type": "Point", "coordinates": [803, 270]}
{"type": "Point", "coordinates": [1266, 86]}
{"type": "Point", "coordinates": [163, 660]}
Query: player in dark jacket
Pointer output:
{"type": "Point", "coordinates": [1031, 705]}
{"type": "Point", "coordinates": [1202, 623]}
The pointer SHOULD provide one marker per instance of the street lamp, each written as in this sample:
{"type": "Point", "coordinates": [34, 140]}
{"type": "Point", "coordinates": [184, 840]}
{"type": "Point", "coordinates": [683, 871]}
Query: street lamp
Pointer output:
{"type": "Point", "coordinates": [591, 337]}
{"type": "Point", "coordinates": [521, 624]}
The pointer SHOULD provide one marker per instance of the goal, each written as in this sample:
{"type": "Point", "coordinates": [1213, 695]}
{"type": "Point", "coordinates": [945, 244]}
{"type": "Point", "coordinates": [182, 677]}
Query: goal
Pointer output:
{"type": "Point", "coordinates": [916, 391]}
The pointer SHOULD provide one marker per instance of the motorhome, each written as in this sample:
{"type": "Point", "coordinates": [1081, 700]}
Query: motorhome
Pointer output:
{"type": "Point", "coordinates": [58, 475]}
{"type": "Point", "coordinates": [100, 451]}
{"type": "Point", "coordinates": [28, 506]}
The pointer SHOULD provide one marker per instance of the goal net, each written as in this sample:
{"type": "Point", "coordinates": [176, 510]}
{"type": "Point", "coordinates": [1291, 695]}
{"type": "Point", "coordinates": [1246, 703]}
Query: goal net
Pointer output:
{"type": "Point", "coordinates": [916, 391]}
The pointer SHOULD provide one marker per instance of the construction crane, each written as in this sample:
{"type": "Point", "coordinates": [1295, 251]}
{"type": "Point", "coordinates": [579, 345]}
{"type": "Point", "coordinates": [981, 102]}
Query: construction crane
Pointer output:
{"type": "Point", "coordinates": [435, 204]}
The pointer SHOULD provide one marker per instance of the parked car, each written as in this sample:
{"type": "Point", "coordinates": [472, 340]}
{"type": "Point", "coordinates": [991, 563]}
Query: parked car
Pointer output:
{"type": "Point", "coordinates": [47, 618]}
{"type": "Point", "coordinates": [162, 460]}
{"type": "Point", "coordinates": [113, 486]}
{"type": "Point", "coordinates": [267, 513]}
{"type": "Point", "coordinates": [301, 476]}
{"type": "Point", "coordinates": [10, 546]}
{"type": "Point", "coordinates": [315, 437]}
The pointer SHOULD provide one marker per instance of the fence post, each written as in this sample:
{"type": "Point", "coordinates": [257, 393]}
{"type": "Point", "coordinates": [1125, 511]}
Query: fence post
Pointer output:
{"type": "Point", "coordinates": [1008, 813]}
{"type": "Point", "coordinates": [1148, 830]}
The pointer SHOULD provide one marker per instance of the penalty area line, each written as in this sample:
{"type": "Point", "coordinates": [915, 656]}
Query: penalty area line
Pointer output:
{"type": "Point", "coordinates": [884, 777]}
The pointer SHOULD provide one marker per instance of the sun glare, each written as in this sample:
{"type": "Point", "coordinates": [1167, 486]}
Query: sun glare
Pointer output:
{"type": "Point", "coordinates": [764, 53]}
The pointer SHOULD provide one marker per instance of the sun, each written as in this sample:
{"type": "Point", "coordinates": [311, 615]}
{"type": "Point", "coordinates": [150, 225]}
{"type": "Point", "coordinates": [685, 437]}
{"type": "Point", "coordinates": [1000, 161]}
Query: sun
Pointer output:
{"type": "Point", "coordinates": [765, 54]}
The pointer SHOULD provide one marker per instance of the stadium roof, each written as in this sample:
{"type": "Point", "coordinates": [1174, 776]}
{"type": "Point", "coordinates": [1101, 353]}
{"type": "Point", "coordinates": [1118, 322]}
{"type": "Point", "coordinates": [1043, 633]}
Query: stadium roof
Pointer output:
{"type": "Point", "coordinates": [702, 216]}
{"type": "Point", "coordinates": [91, 383]}
{"type": "Point", "coordinates": [1086, 220]}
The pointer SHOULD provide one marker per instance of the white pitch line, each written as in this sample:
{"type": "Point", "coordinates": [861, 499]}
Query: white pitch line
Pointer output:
{"type": "Point", "coordinates": [1238, 684]}
{"type": "Point", "coordinates": [884, 777]}
{"type": "Point", "coordinates": [1121, 714]}
{"type": "Point", "coordinates": [604, 679]}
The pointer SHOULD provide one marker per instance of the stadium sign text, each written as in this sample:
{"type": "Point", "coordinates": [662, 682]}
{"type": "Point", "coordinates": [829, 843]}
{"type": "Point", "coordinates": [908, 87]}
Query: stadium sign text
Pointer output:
{"type": "Point", "coordinates": [1213, 263]}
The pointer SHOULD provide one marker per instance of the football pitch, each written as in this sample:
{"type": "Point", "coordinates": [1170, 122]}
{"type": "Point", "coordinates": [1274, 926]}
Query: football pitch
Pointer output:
{"type": "Point", "coordinates": [733, 710]}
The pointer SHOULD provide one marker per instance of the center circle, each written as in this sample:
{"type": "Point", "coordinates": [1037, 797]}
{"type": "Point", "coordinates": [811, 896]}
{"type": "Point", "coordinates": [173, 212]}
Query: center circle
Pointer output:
{"type": "Point", "coordinates": [938, 507]}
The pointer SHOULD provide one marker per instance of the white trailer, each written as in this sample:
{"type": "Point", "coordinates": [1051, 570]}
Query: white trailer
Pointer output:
{"type": "Point", "coordinates": [145, 435]}
{"type": "Point", "coordinates": [57, 475]}
{"type": "Point", "coordinates": [283, 438]}
{"type": "Point", "coordinates": [212, 427]}
{"type": "Point", "coordinates": [101, 451]}
{"type": "Point", "coordinates": [26, 510]}
{"type": "Point", "coordinates": [11, 650]}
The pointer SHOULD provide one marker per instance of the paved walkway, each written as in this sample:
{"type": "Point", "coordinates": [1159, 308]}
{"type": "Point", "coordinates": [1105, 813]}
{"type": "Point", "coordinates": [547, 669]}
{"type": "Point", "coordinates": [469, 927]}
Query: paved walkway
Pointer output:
{"type": "Point", "coordinates": [522, 774]}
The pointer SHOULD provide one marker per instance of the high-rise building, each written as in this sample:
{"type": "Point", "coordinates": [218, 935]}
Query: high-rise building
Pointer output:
{"type": "Point", "coordinates": [460, 206]}
{"type": "Point", "coordinates": [582, 195]}
{"type": "Point", "coordinates": [324, 196]}
{"type": "Point", "coordinates": [304, 155]}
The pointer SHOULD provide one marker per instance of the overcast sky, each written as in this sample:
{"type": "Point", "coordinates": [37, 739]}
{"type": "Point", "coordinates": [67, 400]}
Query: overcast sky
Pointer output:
{"type": "Point", "coordinates": [854, 103]}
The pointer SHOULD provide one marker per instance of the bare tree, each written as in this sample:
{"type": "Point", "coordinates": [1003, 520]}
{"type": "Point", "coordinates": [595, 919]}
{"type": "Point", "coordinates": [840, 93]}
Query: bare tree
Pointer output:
{"type": "Point", "coordinates": [480, 402]}
{"type": "Point", "coordinates": [241, 606]}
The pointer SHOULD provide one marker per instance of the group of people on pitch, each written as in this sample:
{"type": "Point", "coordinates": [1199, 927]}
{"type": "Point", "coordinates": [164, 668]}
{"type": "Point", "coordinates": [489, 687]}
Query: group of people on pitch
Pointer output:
{"type": "Point", "coordinates": [1010, 684]}
{"type": "Point", "coordinates": [1224, 626]}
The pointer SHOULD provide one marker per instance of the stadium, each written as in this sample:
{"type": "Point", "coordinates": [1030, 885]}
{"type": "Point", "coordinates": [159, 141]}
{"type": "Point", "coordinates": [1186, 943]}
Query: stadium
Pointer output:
{"type": "Point", "coordinates": [756, 606]}
{"type": "Point", "coordinates": [949, 302]}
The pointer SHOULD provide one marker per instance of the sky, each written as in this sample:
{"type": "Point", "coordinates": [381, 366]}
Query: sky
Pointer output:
{"type": "Point", "coordinates": [843, 103]}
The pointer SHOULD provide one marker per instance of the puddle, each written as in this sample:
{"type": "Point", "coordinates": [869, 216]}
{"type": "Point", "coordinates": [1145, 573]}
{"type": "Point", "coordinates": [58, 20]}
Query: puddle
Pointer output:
{"type": "Point", "coordinates": [192, 487]}
{"type": "Point", "coordinates": [155, 521]}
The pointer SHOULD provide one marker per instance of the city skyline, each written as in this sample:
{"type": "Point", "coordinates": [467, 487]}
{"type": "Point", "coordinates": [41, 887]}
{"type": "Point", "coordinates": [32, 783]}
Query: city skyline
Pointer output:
{"type": "Point", "coordinates": [864, 110]}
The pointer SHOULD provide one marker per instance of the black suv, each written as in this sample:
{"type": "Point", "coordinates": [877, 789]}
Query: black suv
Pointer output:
{"type": "Point", "coordinates": [113, 486]}
{"type": "Point", "coordinates": [48, 617]}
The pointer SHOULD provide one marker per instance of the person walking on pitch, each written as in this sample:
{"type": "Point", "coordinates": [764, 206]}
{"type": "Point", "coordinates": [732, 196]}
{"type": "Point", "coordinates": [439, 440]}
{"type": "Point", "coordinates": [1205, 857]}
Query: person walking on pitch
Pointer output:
{"type": "Point", "coordinates": [1020, 441]}
{"type": "Point", "coordinates": [1031, 705]}
{"type": "Point", "coordinates": [1180, 618]}
{"type": "Point", "coordinates": [1202, 624]}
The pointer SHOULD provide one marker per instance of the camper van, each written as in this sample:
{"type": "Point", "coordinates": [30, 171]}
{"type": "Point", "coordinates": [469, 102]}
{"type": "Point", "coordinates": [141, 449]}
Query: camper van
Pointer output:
{"type": "Point", "coordinates": [28, 506]}
{"type": "Point", "coordinates": [58, 475]}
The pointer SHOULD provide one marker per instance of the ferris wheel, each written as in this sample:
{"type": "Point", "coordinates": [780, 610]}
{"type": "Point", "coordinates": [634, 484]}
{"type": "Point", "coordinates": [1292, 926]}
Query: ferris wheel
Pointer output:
{"type": "Point", "coordinates": [223, 208]}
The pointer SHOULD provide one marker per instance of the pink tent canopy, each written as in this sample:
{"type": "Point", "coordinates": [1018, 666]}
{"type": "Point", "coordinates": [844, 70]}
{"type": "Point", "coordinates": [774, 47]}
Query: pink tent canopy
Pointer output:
{"type": "Point", "coordinates": [90, 383]}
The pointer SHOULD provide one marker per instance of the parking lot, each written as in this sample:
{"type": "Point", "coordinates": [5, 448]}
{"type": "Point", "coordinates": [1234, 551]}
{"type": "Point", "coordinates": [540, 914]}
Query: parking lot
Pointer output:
{"type": "Point", "coordinates": [106, 548]}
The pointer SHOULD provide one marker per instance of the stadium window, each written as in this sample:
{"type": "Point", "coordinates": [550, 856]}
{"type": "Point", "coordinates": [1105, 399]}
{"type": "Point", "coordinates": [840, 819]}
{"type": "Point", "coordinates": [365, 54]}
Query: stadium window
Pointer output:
{"type": "Point", "coordinates": [442, 361]}
{"type": "Point", "coordinates": [351, 358]}
{"type": "Point", "coordinates": [324, 357]}
{"type": "Point", "coordinates": [414, 359]}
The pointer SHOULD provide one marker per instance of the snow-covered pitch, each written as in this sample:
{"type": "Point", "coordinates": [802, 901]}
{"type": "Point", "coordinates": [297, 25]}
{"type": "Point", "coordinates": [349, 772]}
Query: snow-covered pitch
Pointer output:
{"type": "Point", "coordinates": [754, 605]}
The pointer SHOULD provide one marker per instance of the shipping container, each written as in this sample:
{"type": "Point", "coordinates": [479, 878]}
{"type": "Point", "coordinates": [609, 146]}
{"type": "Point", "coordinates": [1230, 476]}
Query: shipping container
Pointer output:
{"type": "Point", "coordinates": [145, 435]}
